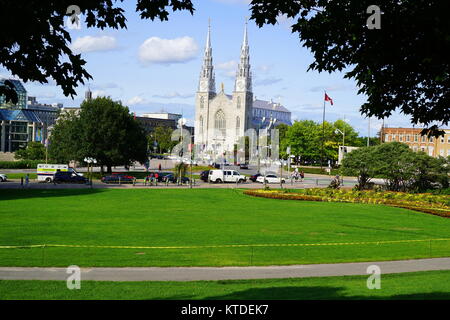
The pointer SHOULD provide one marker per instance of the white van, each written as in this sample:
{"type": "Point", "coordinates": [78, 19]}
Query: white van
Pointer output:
{"type": "Point", "coordinates": [219, 176]}
{"type": "Point", "coordinates": [45, 172]}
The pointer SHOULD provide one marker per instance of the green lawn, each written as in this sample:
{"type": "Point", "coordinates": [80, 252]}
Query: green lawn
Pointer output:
{"type": "Point", "coordinates": [418, 285]}
{"type": "Point", "coordinates": [21, 175]}
{"type": "Point", "coordinates": [204, 217]}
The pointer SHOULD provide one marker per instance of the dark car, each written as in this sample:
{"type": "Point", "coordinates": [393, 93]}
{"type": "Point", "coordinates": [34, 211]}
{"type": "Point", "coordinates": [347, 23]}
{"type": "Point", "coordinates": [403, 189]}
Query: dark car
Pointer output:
{"type": "Point", "coordinates": [118, 178]}
{"type": "Point", "coordinates": [204, 175]}
{"type": "Point", "coordinates": [216, 165]}
{"type": "Point", "coordinates": [161, 175]}
{"type": "Point", "coordinates": [243, 166]}
{"type": "Point", "coordinates": [254, 177]}
{"type": "Point", "coordinates": [68, 177]}
{"type": "Point", "coordinates": [173, 179]}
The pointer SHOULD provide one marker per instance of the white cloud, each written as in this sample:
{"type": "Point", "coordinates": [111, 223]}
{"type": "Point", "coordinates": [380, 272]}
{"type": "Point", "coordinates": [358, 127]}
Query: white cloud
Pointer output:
{"type": "Point", "coordinates": [173, 95]}
{"type": "Point", "coordinates": [98, 93]}
{"type": "Point", "coordinates": [267, 81]}
{"type": "Point", "coordinates": [136, 100]}
{"type": "Point", "coordinates": [90, 44]}
{"type": "Point", "coordinates": [228, 68]}
{"type": "Point", "coordinates": [166, 51]}
{"type": "Point", "coordinates": [228, 65]}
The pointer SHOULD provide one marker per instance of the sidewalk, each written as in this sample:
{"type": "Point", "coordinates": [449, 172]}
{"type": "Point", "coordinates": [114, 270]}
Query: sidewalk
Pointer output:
{"type": "Point", "coordinates": [225, 273]}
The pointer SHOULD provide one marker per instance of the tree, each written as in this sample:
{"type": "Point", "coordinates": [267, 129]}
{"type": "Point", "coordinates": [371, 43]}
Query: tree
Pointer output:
{"type": "Point", "coordinates": [37, 49]}
{"type": "Point", "coordinates": [65, 138]}
{"type": "Point", "coordinates": [304, 137]}
{"type": "Point", "coordinates": [396, 165]}
{"type": "Point", "coordinates": [362, 164]}
{"type": "Point", "coordinates": [163, 137]}
{"type": "Point", "coordinates": [403, 65]}
{"type": "Point", "coordinates": [282, 134]}
{"type": "Point", "coordinates": [429, 173]}
{"type": "Point", "coordinates": [351, 135]}
{"type": "Point", "coordinates": [33, 151]}
{"type": "Point", "coordinates": [104, 130]}
{"type": "Point", "coordinates": [401, 168]}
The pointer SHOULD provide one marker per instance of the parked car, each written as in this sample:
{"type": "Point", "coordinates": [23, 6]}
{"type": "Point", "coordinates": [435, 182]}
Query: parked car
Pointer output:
{"type": "Point", "coordinates": [219, 176]}
{"type": "Point", "coordinates": [270, 178]}
{"type": "Point", "coordinates": [3, 177]}
{"type": "Point", "coordinates": [161, 175]}
{"type": "Point", "coordinates": [118, 177]}
{"type": "Point", "coordinates": [243, 166]}
{"type": "Point", "coordinates": [68, 177]}
{"type": "Point", "coordinates": [254, 177]}
{"type": "Point", "coordinates": [171, 178]}
{"type": "Point", "coordinates": [204, 175]}
{"type": "Point", "coordinates": [215, 165]}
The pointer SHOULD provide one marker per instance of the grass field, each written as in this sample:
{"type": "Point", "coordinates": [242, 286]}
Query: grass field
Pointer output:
{"type": "Point", "coordinates": [418, 285]}
{"type": "Point", "coordinates": [205, 218]}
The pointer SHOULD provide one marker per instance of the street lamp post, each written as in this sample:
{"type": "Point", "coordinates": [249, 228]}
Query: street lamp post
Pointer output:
{"type": "Point", "coordinates": [343, 135]}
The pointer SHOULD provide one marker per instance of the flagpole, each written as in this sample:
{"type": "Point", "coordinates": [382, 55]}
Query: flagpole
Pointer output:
{"type": "Point", "coordinates": [323, 133]}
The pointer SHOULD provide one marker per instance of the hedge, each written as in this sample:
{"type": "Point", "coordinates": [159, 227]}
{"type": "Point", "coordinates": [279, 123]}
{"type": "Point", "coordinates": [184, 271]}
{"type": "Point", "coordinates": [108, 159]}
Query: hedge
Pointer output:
{"type": "Point", "coordinates": [21, 164]}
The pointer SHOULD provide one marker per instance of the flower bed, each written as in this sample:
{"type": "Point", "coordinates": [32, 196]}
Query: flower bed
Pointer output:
{"type": "Point", "coordinates": [425, 202]}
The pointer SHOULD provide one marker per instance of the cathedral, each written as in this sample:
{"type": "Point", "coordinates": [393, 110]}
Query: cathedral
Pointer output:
{"type": "Point", "coordinates": [220, 118]}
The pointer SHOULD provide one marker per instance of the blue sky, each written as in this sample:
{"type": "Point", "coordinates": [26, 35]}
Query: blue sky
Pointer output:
{"type": "Point", "coordinates": [155, 65]}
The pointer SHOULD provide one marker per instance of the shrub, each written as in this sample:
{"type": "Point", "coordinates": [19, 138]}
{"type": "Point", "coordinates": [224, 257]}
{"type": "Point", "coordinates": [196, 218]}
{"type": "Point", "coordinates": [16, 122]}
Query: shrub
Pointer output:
{"type": "Point", "coordinates": [22, 164]}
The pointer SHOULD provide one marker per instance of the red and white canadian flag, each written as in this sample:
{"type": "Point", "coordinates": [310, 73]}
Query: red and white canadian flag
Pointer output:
{"type": "Point", "coordinates": [327, 98]}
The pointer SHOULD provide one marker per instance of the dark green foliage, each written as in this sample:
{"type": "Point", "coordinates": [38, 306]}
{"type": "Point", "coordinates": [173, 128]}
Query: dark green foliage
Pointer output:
{"type": "Point", "coordinates": [33, 151]}
{"type": "Point", "coordinates": [104, 130]}
{"type": "Point", "coordinates": [404, 65]}
{"type": "Point", "coordinates": [37, 48]}
{"type": "Point", "coordinates": [401, 168]}
{"type": "Point", "coordinates": [22, 164]}
{"type": "Point", "coordinates": [305, 139]}
{"type": "Point", "coordinates": [163, 137]}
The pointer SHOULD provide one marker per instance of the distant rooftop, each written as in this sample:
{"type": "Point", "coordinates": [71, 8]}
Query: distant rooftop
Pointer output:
{"type": "Point", "coordinates": [269, 105]}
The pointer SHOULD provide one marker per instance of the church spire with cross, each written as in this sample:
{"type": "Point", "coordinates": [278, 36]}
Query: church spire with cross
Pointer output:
{"type": "Point", "coordinates": [244, 75]}
{"type": "Point", "coordinates": [207, 78]}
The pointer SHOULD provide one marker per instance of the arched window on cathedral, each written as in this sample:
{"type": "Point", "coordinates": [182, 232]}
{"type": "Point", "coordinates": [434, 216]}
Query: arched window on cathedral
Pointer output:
{"type": "Point", "coordinates": [238, 102]}
{"type": "Point", "coordinates": [238, 125]}
{"type": "Point", "coordinates": [201, 124]}
{"type": "Point", "coordinates": [202, 102]}
{"type": "Point", "coordinates": [220, 123]}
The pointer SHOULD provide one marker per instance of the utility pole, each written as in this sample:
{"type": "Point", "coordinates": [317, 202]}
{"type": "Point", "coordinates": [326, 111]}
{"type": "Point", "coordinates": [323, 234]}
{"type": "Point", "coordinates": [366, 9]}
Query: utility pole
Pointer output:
{"type": "Point", "coordinates": [323, 135]}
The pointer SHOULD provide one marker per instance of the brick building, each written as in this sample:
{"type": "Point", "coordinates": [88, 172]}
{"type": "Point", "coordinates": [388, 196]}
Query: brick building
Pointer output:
{"type": "Point", "coordinates": [434, 147]}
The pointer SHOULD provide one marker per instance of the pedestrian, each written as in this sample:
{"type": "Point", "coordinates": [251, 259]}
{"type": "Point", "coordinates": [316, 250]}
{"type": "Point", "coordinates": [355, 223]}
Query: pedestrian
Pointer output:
{"type": "Point", "coordinates": [27, 180]}
{"type": "Point", "coordinates": [146, 180]}
{"type": "Point", "coordinates": [159, 167]}
{"type": "Point", "coordinates": [156, 178]}
{"type": "Point", "coordinates": [302, 176]}
{"type": "Point", "coordinates": [21, 182]}
{"type": "Point", "coordinates": [151, 178]}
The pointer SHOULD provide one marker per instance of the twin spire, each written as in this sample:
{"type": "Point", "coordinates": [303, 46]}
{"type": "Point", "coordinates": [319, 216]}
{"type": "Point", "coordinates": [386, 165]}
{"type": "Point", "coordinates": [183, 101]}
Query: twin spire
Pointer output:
{"type": "Point", "coordinates": [207, 78]}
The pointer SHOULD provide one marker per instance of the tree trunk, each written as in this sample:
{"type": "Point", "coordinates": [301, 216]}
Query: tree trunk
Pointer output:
{"type": "Point", "coordinates": [109, 168]}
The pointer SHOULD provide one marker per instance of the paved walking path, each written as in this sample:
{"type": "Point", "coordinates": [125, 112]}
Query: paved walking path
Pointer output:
{"type": "Point", "coordinates": [225, 273]}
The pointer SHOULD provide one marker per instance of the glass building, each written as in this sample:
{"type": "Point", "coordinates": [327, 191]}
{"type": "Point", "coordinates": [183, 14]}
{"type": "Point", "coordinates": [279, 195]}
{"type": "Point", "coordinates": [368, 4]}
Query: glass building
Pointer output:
{"type": "Point", "coordinates": [25, 121]}
{"type": "Point", "coordinates": [17, 128]}
{"type": "Point", "coordinates": [21, 94]}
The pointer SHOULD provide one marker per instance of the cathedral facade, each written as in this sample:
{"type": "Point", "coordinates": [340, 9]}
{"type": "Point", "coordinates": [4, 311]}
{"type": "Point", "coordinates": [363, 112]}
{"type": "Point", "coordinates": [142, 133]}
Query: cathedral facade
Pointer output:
{"type": "Point", "coordinates": [222, 119]}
